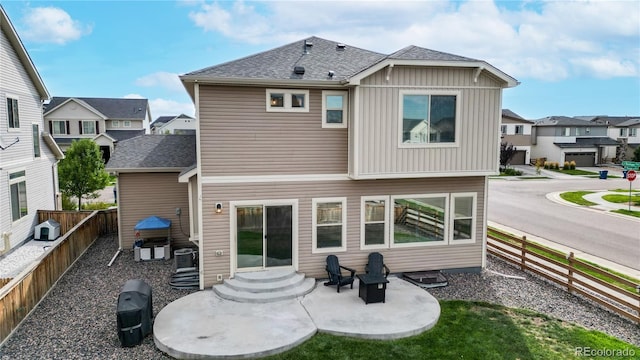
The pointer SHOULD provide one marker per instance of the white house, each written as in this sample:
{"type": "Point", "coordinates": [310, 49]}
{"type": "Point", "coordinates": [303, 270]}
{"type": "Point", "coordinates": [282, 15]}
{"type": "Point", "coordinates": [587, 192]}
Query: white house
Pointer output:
{"type": "Point", "coordinates": [28, 154]}
{"type": "Point", "coordinates": [179, 125]}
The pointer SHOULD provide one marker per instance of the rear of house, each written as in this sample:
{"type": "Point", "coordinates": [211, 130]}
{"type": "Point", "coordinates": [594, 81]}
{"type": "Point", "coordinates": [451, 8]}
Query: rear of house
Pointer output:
{"type": "Point", "coordinates": [318, 148]}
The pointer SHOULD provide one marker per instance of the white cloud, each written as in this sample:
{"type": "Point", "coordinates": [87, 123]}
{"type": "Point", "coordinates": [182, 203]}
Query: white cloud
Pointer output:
{"type": "Point", "coordinates": [164, 107]}
{"type": "Point", "coordinates": [549, 40]}
{"type": "Point", "coordinates": [52, 25]}
{"type": "Point", "coordinates": [134, 96]}
{"type": "Point", "coordinates": [161, 79]}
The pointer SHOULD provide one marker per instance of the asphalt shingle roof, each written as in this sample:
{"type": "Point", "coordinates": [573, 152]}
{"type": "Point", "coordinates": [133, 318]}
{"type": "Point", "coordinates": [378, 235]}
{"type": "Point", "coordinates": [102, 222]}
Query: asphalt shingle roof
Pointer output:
{"type": "Point", "coordinates": [612, 120]}
{"type": "Point", "coordinates": [630, 122]}
{"type": "Point", "coordinates": [120, 135]}
{"type": "Point", "coordinates": [564, 121]}
{"type": "Point", "coordinates": [161, 120]}
{"type": "Point", "coordinates": [154, 151]}
{"type": "Point", "coordinates": [589, 142]}
{"type": "Point", "coordinates": [112, 108]}
{"type": "Point", "coordinates": [417, 53]}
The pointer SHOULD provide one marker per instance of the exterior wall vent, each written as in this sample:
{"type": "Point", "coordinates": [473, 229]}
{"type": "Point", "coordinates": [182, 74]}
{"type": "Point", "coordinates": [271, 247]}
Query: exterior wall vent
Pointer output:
{"type": "Point", "coordinates": [340, 46]}
{"type": "Point", "coordinates": [298, 70]}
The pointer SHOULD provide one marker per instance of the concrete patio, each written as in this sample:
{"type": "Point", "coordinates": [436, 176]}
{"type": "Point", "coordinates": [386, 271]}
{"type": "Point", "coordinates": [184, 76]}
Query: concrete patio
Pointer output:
{"type": "Point", "coordinates": [204, 326]}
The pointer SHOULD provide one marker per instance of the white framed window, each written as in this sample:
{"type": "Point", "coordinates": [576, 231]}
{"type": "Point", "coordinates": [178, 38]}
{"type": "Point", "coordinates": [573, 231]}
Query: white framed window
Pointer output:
{"type": "Point", "coordinates": [503, 129]}
{"type": "Point", "coordinates": [623, 131]}
{"type": "Point", "coordinates": [633, 132]}
{"type": "Point", "coordinates": [115, 123]}
{"type": "Point", "coordinates": [419, 220]}
{"type": "Point", "coordinates": [18, 190]}
{"type": "Point", "coordinates": [329, 224]}
{"type": "Point", "coordinates": [59, 127]}
{"type": "Point", "coordinates": [428, 118]}
{"type": "Point", "coordinates": [88, 127]}
{"type": "Point", "coordinates": [13, 113]}
{"type": "Point", "coordinates": [519, 129]}
{"type": "Point", "coordinates": [286, 100]}
{"type": "Point", "coordinates": [374, 222]}
{"type": "Point", "coordinates": [334, 109]}
{"type": "Point", "coordinates": [566, 131]}
{"type": "Point", "coordinates": [463, 218]}
{"type": "Point", "coordinates": [35, 133]}
{"type": "Point", "coordinates": [126, 123]}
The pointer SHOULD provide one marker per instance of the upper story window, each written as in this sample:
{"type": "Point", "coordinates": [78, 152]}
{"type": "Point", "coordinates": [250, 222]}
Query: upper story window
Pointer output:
{"type": "Point", "coordinates": [115, 123]}
{"type": "Point", "coordinates": [334, 109]}
{"type": "Point", "coordinates": [126, 123]}
{"type": "Point", "coordinates": [623, 131]}
{"type": "Point", "coordinates": [633, 132]}
{"type": "Point", "coordinates": [87, 127]}
{"type": "Point", "coordinates": [566, 131]}
{"type": "Point", "coordinates": [428, 118]}
{"type": "Point", "coordinates": [35, 129]}
{"type": "Point", "coordinates": [503, 129]}
{"type": "Point", "coordinates": [519, 129]}
{"type": "Point", "coordinates": [13, 113]}
{"type": "Point", "coordinates": [329, 230]}
{"type": "Point", "coordinates": [18, 190]}
{"type": "Point", "coordinates": [281, 100]}
{"type": "Point", "coordinates": [59, 127]}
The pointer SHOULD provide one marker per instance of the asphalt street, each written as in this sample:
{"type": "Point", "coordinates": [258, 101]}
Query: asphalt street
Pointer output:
{"type": "Point", "coordinates": [523, 205]}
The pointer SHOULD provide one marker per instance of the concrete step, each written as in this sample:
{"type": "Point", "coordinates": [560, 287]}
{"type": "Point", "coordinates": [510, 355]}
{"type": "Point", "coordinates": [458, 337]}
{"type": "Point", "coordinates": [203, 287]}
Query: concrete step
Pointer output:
{"type": "Point", "coordinates": [240, 284]}
{"type": "Point", "coordinates": [272, 275]}
{"type": "Point", "coordinates": [302, 288]}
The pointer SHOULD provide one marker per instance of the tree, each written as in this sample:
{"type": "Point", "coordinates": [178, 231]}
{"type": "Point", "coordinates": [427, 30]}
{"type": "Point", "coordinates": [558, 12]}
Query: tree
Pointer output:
{"type": "Point", "coordinates": [507, 152]}
{"type": "Point", "coordinates": [81, 172]}
{"type": "Point", "coordinates": [636, 154]}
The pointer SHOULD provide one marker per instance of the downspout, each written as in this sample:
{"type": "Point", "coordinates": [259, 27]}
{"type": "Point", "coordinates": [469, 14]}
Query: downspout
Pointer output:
{"type": "Point", "coordinates": [57, 198]}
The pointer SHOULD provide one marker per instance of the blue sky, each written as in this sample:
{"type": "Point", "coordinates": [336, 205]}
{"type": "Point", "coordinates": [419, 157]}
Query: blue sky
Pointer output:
{"type": "Point", "coordinates": [572, 58]}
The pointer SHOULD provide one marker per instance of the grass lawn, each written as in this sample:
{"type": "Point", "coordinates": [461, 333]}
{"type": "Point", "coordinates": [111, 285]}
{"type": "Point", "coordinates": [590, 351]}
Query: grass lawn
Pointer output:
{"type": "Point", "coordinates": [576, 197]}
{"type": "Point", "coordinates": [470, 330]}
{"type": "Point", "coordinates": [633, 191]}
{"type": "Point", "coordinates": [627, 212]}
{"type": "Point", "coordinates": [575, 172]}
{"type": "Point", "coordinates": [623, 199]}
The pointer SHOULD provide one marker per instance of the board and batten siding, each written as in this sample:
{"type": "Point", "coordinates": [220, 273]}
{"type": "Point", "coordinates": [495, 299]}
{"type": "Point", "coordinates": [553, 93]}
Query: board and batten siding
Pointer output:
{"type": "Point", "coordinates": [216, 227]}
{"type": "Point", "coordinates": [239, 137]}
{"type": "Point", "coordinates": [141, 195]}
{"type": "Point", "coordinates": [375, 134]}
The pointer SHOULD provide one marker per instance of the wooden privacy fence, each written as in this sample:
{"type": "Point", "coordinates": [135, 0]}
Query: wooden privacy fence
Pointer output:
{"type": "Point", "coordinates": [21, 294]}
{"type": "Point", "coordinates": [576, 276]}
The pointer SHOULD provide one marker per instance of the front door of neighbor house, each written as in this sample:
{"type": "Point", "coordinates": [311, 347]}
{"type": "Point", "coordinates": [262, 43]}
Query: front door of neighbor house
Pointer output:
{"type": "Point", "coordinates": [264, 236]}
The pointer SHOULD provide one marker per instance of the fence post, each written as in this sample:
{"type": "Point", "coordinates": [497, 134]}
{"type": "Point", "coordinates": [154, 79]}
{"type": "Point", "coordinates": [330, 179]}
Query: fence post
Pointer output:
{"type": "Point", "coordinates": [523, 265]}
{"type": "Point", "coordinates": [570, 258]}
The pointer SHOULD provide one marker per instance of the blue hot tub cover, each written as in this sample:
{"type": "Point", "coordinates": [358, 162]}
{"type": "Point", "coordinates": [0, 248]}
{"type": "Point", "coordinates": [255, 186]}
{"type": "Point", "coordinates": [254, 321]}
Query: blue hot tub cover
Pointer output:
{"type": "Point", "coordinates": [153, 223]}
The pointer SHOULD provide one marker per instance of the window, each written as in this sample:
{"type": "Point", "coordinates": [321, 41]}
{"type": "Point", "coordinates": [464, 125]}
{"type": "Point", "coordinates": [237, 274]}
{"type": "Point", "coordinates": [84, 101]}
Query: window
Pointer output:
{"type": "Point", "coordinates": [428, 118]}
{"type": "Point", "coordinates": [334, 109]}
{"type": "Point", "coordinates": [18, 190]}
{"type": "Point", "coordinates": [115, 123]}
{"type": "Point", "coordinates": [633, 132]}
{"type": "Point", "coordinates": [519, 129]}
{"type": "Point", "coordinates": [59, 127]}
{"type": "Point", "coordinates": [623, 131]}
{"type": "Point", "coordinates": [503, 129]}
{"type": "Point", "coordinates": [463, 218]}
{"type": "Point", "coordinates": [127, 123]}
{"type": "Point", "coordinates": [13, 113]}
{"type": "Point", "coordinates": [419, 219]}
{"type": "Point", "coordinates": [35, 129]}
{"type": "Point", "coordinates": [88, 128]}
{"type": "Point", "coordinates": [280, 100]}
{"type": "Point", "coordinates": [566, 132]}
{"type": "Point", "coordinates": [375, 219]}
{"type": "Point", "coordinates": [329, 224]}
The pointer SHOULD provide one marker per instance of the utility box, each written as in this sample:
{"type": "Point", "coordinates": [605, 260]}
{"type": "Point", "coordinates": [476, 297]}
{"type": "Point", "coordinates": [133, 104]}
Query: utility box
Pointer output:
{"type": "Point", "coordinates": [48, 230]}
{"type": "Point", "coordinates": [134, 312]}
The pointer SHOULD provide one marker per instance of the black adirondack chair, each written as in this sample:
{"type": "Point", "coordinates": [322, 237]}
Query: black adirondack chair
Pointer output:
{"type": "Point", "coordinates": [376, 265]}
{"type": "Point", "coordinates": [335, 273]}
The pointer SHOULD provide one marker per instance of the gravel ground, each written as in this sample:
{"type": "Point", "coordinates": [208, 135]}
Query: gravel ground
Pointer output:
{"type": "Point", "coordinates": [77, 320]}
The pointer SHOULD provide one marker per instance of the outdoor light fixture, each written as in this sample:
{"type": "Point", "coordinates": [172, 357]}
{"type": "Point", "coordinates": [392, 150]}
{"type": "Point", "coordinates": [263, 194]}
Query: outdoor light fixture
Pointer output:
{"type": "Point", "coordinates": [218, 208]}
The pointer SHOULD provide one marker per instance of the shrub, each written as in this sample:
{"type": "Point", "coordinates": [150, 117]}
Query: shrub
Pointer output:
{"type": "Point", "coordinates": [511, 172]}
{"type": "Point", "coordinates": [556, 166]}
{"type": "Point", "coordinates": [566, 166]}
{"type": "Point", "coordinates": [68, 203]}
{"type": "Point", "coordinates": [572, 165]}
{"type": "Point", "coordinates": [97, 206]}
{"type": "Point", "coordinates": [547, 165]}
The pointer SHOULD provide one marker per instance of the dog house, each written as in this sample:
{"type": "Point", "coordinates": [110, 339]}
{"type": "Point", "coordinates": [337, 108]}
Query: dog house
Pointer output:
{"type": "Point", "coordinates": [48, 230]}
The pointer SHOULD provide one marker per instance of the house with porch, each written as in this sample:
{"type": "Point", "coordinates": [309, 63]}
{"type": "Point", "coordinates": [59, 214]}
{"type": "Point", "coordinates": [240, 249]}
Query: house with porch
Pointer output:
{"type": "Point", "coordinates": [28, 154]}
{"type": "Point", "coordinates": [104, 120]}
{"type": "Point", "coordinates": [562, 138]}
{"type": "Point", "coordinates": [317, 148]}
{"type": "Point", "coordinates": [516, 130]}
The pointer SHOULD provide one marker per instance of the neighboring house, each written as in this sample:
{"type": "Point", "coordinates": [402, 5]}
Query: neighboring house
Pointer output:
{"type": "Point", "coordinates": [181, 124]}
{"type": "Point", "coordinates": [515, 130]}
{"type": "Point", "coordinates": [148, 168]}
{"type": "Point", "coordinates": [624, 129]}
{"type": "Point", "coordinates": [104, 120]}
{"type": "Point", "coordinates": [28, 155]}
{"type": "Point", "coordinates": [317, 148]}
{"type": "Point", "coordinates": [561, 138]}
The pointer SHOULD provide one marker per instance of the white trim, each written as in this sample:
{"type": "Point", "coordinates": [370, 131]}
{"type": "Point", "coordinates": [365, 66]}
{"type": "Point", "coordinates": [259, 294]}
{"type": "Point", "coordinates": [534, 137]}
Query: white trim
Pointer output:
{"type": "Point", "coordinates": [273, 178]}
{"type": "Point", "coordinates": [445, 234]}
{"type": "Point", "coordinates": [363, 223]}
{"type": "Point", "coordinates": [425, 175]}
{"type": "Point", "coordinates": [79, 102]}
{"type": "Point", "coordinates": [485, 223]}
{"type": "Point", "coordinates": [196, 101]}
{"type": "Point", "coordinates": [345, 109]}
{"type": "Point", "coordinates": [432, 87]}
{"type": "Point", "coordinates": [287, 106]}
{"type": "Point", "coordinates": [6, 105]}
{"type": "Point", "coordinates": [53, 127]}
{"type": "Point", "coordinates": [94, 127]}
{"type": "Point", "coordinates": [354, 155]}
{"type": "Point", "coordinates": [314, 225]}
{"type": "Point", "coordinates": [474, 216]}
{"type": "Point", "coordinates": [429, 93]}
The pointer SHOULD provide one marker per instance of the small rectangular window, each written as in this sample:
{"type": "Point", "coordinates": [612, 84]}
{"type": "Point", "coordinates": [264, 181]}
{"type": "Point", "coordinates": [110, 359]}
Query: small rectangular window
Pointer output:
{"type": "Point", "coordinates": [329, 224]}
{"type": "Point", "coordinates": [280, 100]}
{"type": "Point", "coordinates": [88, 127]}
{"type": "Point", "coordinates": [503, 129]}
{"type": "Point", "coordinates": [519, 129]}
{"type": "Point", "coordinates": [13, 114]}
{"type": "Point", "coordinates": [623, 131]}
{"type": "Point", "coordinates": [566, 132]}
{"type": "Point", "coordinates": [334, 109]}
{"type": "Point", "coordinates": [18, 191]}
{"type": "Point", "coordinates": [633, 132]}
{"type": "Point", "coordinates": [35, 129]}
{"type": "Point", "coordinates": [115, 123]}
{"type": "Point", "coordinates": [59, 127]}
{"type": "Point", "coordinates": [463, 211]}
{"type": "Point", "coordinates": [375, 222]}
{"type": "Point", "coordinates": [127, 123]}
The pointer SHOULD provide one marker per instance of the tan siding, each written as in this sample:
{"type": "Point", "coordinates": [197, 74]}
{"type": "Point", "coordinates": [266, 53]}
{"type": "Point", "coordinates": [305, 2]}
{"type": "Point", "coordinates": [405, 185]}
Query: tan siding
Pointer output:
{"type": "Point", "coordinates": [216, 228]}
{"type": "Point", "coordinates": [239, 137]}
{"type": "Point", "coordinates": [146, 194]}
{"type": "Point", "coordinates": [479, 108]}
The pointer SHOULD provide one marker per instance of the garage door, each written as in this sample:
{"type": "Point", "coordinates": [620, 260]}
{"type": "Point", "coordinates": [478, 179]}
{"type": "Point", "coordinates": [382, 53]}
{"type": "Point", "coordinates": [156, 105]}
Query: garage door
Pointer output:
{"type": "Point", "coordinates": [518, 158]}
{"type": "Point", "coordinates": [581, 159]}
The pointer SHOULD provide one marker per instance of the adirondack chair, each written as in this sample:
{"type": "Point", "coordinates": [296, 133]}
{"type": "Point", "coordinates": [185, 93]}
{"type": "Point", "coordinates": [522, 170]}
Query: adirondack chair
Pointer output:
{"type": "Point", "coordinates": [376, 265]}
{"type": "Point", "coordinates": [335, 273]}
